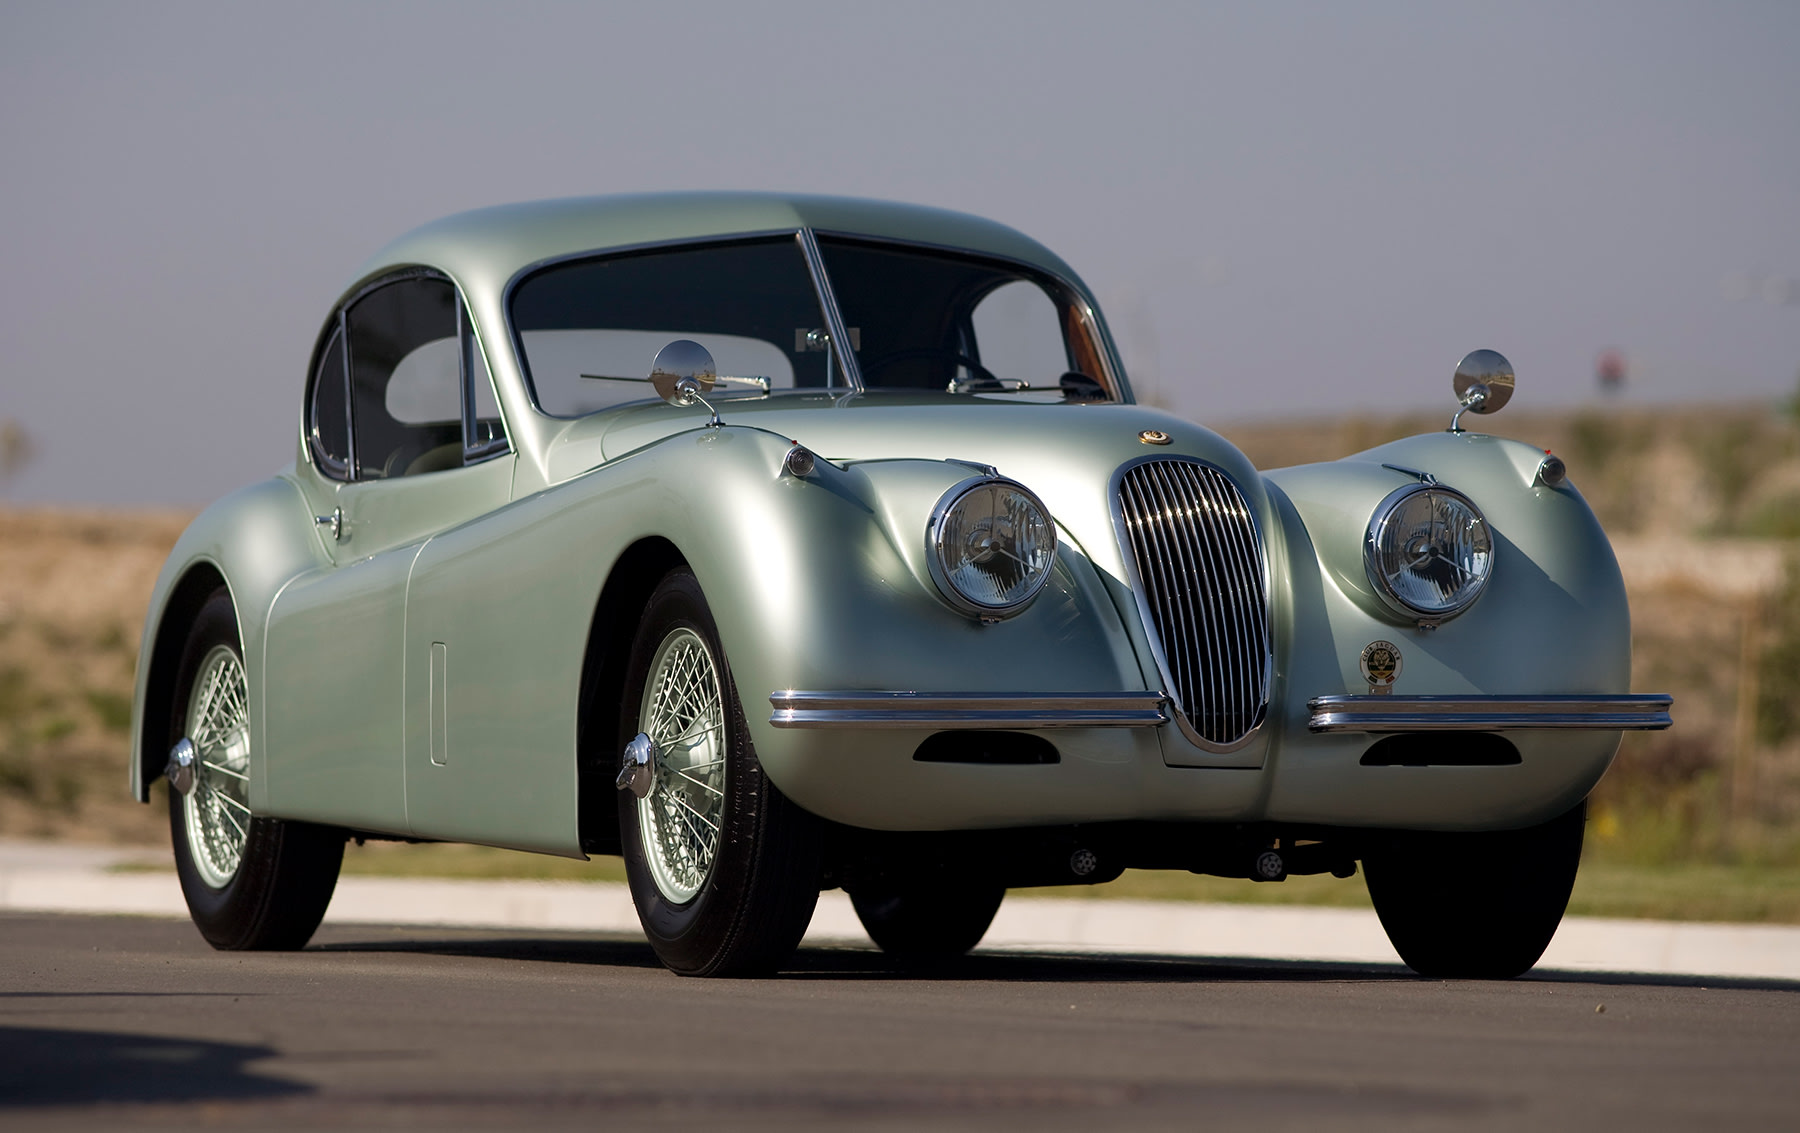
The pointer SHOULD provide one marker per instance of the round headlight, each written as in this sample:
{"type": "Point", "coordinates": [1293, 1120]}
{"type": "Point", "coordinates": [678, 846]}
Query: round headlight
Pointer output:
{"type": "Point", "coordinates": [1429, 551]}
{"type": "Point", "coordinates": [992, 544]}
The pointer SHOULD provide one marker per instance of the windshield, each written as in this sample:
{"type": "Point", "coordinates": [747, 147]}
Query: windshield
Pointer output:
{"type": "Point", "coordinates": [921, 319]}
{"type": "Point", "coordinates": [588, 330]}
{"type": "Point", "coordinates": [917, 319]}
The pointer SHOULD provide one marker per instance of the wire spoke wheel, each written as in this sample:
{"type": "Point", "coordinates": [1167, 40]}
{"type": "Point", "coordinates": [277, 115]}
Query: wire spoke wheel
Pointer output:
{"type": "Point", "coordinates": [217, 810]}
{"type": "Point", "coordinates": [250, 881]}
{"type": "Point", "coordinates": [724, 870]}
{"type": "Point", "coordinates": [683, 712]}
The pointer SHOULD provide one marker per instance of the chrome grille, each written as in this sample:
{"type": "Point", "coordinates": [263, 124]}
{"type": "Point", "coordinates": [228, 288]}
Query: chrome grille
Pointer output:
{"type": "Point", "coordinates": [1192, 544]}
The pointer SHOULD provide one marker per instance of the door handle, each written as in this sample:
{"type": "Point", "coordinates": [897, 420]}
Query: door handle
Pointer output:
{"type": "Point", "coordinates": [335, 521]}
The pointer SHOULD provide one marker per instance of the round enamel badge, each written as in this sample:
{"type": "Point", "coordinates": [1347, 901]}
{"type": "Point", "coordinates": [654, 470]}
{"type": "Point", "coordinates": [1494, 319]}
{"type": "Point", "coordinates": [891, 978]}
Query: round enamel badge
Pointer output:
{"type": "Point", "coordinates": [1380, 663]}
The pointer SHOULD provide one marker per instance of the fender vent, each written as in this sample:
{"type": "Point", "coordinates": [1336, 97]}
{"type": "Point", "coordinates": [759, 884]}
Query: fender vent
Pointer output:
{"type": "Point", "coordinates": [1197, 568]}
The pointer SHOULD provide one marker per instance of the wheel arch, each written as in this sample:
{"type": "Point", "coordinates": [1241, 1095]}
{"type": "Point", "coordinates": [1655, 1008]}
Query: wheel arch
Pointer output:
{"type": "Point", "coordinates": [628, 586]}
{"type": "Point", "coordinates": [197, 584]}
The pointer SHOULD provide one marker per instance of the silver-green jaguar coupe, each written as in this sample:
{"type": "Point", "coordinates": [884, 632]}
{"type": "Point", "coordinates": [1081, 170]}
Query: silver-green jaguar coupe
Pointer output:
{"type": "Point", "coordinates": [781, 543]}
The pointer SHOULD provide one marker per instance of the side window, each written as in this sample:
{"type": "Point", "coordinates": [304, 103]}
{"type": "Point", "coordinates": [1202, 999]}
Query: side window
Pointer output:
{"type": "Point", "coordinates": [405, 379]}
{"type": "Point", "coordinates": [1018, 335]}
{"type": "Point", "coordinates": [328, 417]}
{"type": "Point", "coordinates": [484, 434]}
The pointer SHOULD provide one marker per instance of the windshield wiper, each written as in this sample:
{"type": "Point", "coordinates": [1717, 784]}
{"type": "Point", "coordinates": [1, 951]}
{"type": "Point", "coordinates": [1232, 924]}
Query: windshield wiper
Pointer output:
{"type": "Point", "coordinates": [751, 381]}
{"type": "Point", "coordinates": [987, 385]}
{"type": "Point", "coordinates": [1073, 386]}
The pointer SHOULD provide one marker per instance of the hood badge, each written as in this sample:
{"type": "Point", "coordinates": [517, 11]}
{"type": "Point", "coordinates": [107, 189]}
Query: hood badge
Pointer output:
{"type": "Point", "coordinates": [1154, 437]}
{"type": "Point", "coordinates": [1380, 664]}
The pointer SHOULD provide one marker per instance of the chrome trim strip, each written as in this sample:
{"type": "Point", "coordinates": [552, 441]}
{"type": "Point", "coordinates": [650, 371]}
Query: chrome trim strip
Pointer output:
{"type": "Point", "coordinates": [469, 335]}
{"type": "Point", "coordinates": [1169, 567]}
{"type": "Point", "coordinates": [343, 322]}
{"type": "Point", "coordinates": [834, 318]}
{"type": "Point", "coordinates": [938, 710]}
{"type": "Point", "coordinates": [1376, 713]}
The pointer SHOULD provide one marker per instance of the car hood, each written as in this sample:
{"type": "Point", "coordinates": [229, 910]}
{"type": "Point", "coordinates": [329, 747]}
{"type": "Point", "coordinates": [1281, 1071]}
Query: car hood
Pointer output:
{"type": "Point", "coordinates": [1066, 453]}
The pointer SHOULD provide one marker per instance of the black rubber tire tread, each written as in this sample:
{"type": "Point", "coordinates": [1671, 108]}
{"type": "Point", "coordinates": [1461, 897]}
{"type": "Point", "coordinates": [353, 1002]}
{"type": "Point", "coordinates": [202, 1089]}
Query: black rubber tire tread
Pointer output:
{"type": "Point", "coordinates": [927, 919]}
{"type": "Point", "coordinates": [754, 907]}
{"type": "Point", "coordinates": [289, 870]}
{"type": "Point", "coordinates": [1475, 906]}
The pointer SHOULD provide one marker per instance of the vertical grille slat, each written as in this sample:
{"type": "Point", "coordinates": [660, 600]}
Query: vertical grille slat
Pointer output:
{"type": "Point", "coordinates": [1233, 675]}
{"type": "Point", "coordinates": [1203, 584]}
{"type": "Point", "coordinates": [1181, 603]}
{"type": "Point", "coordinates": [1199, 575]}
{"type": "Point", "coordinates": [1167, 594]}
{"type": "Point", "coordinates": [1230, 525]}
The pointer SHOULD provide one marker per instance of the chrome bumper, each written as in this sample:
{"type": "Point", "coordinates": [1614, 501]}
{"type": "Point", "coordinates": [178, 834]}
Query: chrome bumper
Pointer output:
{"type": "Point", "coordinates": [939, 710]}
{"type": "Point", "coordinates": [1369, 713]}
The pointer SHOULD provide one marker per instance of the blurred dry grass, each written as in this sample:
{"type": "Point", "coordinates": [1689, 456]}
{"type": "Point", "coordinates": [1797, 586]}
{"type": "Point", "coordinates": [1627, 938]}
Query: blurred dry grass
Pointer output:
{"type": "Point", "coordinates": [73, 589]}
{"type": "Point", "coordinates": [1706, 822]}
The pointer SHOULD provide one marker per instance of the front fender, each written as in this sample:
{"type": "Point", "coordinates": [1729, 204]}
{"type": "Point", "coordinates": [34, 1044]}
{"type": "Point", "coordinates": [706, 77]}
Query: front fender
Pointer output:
{"type": "Point", "coordinates": [813, 583]}
{"type": "Point", "coordinates": [253, 542]}
{"type": "Point", "coordinates": [1553, 620]}
{"type": "Point", "coordinates": [824, 583]}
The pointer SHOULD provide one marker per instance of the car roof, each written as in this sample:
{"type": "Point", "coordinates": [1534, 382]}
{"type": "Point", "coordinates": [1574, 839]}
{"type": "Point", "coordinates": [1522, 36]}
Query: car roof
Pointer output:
{"type": "Point", "coordinates": [491, 245]}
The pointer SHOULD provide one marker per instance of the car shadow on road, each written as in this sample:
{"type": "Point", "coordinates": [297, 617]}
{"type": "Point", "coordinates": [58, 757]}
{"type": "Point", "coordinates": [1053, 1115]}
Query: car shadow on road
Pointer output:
{"type": "Point", "coordinates": [45, 1067]}
{"type": "Point", "coordinates": [850, 963]}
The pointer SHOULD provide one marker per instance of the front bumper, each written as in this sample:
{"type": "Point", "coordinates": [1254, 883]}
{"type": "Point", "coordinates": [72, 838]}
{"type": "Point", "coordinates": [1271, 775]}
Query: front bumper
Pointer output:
{"type": "Point", "coordinates": [1389, 713]}
{"type": "Point", "coordinates": [1343, 713]}
{"type": "Point", "coordinates": [941, 710]}
{"type": "Point", "coordinates": [851, 756]}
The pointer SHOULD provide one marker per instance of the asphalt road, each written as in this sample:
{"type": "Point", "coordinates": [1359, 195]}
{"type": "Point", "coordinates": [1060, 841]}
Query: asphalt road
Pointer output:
{"type": "Point", "coordinates": [112, 1022]}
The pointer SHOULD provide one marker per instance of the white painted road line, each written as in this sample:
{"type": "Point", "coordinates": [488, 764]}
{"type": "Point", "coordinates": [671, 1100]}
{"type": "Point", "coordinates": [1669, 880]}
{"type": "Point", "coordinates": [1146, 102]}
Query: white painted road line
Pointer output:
{"type": "Point", "coordinates": [75, 880]}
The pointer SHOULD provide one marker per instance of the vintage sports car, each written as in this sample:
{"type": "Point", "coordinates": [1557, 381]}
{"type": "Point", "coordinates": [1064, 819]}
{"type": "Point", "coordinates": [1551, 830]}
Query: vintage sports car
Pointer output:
{"type": "Point", "coordinates": [786, 543]}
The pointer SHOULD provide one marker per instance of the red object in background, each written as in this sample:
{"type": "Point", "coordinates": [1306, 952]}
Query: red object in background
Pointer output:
{"type": "Point", "coordinates": [1609, 370]}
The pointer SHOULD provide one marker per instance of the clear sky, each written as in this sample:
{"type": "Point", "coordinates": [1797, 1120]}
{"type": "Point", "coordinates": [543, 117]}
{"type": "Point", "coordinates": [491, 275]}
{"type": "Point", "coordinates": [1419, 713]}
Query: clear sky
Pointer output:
{"type": "Point", "coordinates": [1286, 209]}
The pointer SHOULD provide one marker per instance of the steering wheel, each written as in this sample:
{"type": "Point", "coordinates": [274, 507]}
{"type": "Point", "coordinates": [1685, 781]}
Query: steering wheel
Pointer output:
{"type": "Point", "coordinates": [979, 372]}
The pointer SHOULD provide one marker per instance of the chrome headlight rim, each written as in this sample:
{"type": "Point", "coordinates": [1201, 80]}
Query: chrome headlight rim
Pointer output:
{"type": "Point", "coordinates": [1384, 589]}
{"type": "Point", "coordinates": [935, 556]}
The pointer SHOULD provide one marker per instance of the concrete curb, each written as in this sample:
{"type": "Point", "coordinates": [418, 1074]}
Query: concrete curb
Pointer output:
{"type": "Point", "coordinates": [35, 878]}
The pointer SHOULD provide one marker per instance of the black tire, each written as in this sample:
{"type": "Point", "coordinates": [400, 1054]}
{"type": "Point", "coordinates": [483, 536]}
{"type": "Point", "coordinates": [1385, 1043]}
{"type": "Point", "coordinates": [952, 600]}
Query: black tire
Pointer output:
{"type": "Point", "coordinates": [1475, 906]}
{"type": "Point", "coordinates": [927, 919]}
{"type": "Point", "coordinates": [283, 881]}
{"type": "Point", "coordinates": [757, 897]}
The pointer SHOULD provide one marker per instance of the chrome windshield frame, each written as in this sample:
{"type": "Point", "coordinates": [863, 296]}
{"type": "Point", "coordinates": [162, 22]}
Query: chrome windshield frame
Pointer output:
{"type": "Point", "coordinates": [840, 347]}
{"type": "Point", "coordinates": [811, 252]}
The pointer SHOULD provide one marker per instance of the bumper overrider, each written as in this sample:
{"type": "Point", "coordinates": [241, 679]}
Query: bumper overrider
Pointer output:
{"type": "Point", "coordinates": [1342, 713]}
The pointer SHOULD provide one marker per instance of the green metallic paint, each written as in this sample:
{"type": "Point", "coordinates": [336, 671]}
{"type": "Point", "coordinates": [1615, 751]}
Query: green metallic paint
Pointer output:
{"type": "Point", "coordinates": [501, 565]}
{"type": "Point", "coordinates": [258, 538]}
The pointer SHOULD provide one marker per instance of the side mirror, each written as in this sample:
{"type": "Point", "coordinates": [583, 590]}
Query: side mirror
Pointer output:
{"type": "Point", "coordinates": [683, 372]}
{"type": "Point", "coordinates": [1483, 384]}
